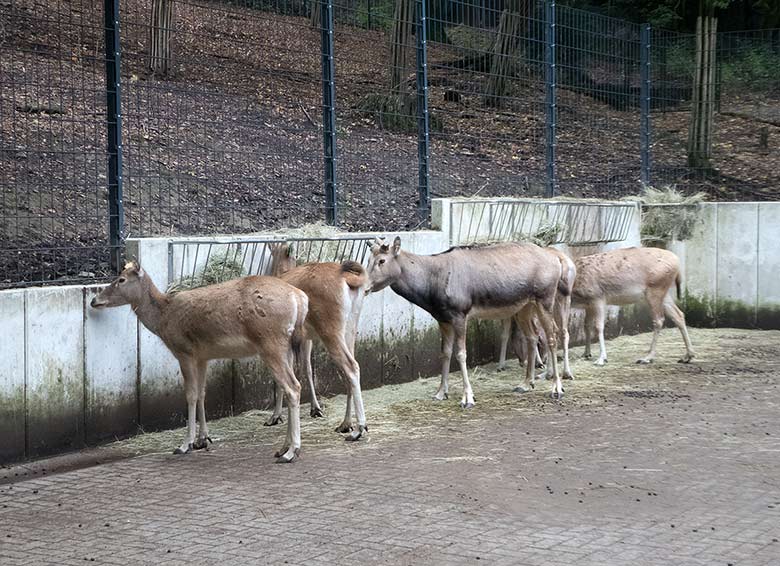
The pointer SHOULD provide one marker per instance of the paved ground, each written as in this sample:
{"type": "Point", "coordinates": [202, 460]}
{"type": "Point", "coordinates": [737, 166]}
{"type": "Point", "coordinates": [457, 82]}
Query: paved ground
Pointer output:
{"type": "Point", "coordinates": [669, 464]}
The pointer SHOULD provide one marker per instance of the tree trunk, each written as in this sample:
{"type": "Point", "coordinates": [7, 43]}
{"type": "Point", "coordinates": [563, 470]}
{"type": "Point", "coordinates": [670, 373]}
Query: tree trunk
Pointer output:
{"type": "Point", "coordinates": [160, 29]}
{"type": "Point", "coordinates": [316, 14]}
{"type": "Point", "coordinates": [504, 51]}
{"type": "Point", "coordinates": [703, 108]}
{"type": "Point", "coordinates": [402, 43]}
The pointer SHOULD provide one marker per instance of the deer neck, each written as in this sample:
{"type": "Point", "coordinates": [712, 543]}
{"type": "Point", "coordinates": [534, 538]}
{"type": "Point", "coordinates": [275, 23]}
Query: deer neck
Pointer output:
{"type": "Point", "coordinates": [151, 308]}
{"type": "Point", "coordinates": [413, 281]}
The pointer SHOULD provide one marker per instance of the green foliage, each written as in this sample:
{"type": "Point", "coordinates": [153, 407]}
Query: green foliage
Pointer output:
{"type": "Point", "coordinates": [756, 67]}
{"type": "Point", "coordinates": [665, 223]}
{"type": "Point", "coordinates": [680, 60]}
{"type": "Point", "coordinates": [378, 13]}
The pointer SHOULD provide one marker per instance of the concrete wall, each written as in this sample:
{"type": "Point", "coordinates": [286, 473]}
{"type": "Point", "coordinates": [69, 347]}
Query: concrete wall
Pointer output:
{"type": "Point", "coordinates": [72, 376]}
{"type": "Point", "coordinates": [731, 264]}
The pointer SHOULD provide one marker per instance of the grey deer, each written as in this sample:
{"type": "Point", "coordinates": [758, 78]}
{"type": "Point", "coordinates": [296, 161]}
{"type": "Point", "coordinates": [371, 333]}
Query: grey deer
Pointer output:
{"type": "Point", "coordinates": [497, 281]}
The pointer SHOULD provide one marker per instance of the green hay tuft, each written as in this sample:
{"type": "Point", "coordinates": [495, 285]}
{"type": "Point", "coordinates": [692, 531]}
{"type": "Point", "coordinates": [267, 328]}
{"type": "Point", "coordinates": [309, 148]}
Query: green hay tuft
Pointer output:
{"type": "Point", "coordinates": [661, 224]}
{"type": "Point", "coordinates": [219, 268]}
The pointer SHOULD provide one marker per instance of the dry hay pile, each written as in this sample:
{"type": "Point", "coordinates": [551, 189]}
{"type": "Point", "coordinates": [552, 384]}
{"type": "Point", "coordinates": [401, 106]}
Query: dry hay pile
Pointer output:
{"type": "Point", "coordinates": [407, 410]}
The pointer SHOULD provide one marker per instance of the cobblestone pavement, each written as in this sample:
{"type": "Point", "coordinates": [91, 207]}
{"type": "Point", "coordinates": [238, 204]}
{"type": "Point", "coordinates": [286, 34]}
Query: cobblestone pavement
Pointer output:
{"type": "Point", "coordinates": [671, 464]}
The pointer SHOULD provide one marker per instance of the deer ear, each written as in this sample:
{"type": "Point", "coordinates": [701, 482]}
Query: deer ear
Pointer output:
{"type": "Point", "coordinates": [397, 245]}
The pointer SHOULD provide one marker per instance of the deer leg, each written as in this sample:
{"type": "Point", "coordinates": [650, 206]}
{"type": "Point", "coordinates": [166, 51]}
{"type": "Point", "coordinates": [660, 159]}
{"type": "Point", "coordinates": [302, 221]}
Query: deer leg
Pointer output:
{"type": "Point", "coordinates": [190, 374]}
{"type": "Point", "coordinates": [599, 314]}
{"type": "Point", "coordinates": [276, 416]}
{"type": "Point", "coordinates": [524, 332]}
{"type": "Point", "coordinates": [203, 428]}
{"type": "Point", "coordinates": [547, 321]}
{"type": "Point", "coordinates": [506, 329]}
{"type": "Point", "coordinates": [677, 316]}
{"type": "Point", "coordinates": [447, 341]}
{"type": "Point", "coordinates": [588, 327]}
{"type": "Point", "coordinates": [655, 302]}
{"type": "Point", "coordinates": [346, 424]}
{"type": "Point", "coordinates": [563, 327]}
{"type": "Point", "coordinates": [314, 407]}
{"type": "Point", "coordinates": [284, 376]}
{"type": "Point", "coordinates": [338, 349]}
{"type": "Point", "coordinates": [459, 327]}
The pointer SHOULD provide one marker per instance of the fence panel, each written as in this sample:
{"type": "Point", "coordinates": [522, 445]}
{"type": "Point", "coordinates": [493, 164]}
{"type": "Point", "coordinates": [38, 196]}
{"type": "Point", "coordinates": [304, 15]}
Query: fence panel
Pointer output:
{"type": "Point", "coordinates": [743, 156]}
{"type": "Point", "coordinates": [225, 135]}
{"type": "Point", "coordinates": [376, 115]}
{"type": "Point", "coordinates": [231, 123]}
{"type": "Point", "coordinates": [486, 77]}
{"type": "Point", "coordinates": [598, 101]}
{"type": "Point", "coordinates": [53, 195]}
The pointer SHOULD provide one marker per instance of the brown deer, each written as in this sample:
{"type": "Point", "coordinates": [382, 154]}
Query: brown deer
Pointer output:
{"type": "Point", "coordinates": [490, 281]}
{"type": "Point", "coordinates": [561, 312]}
{"type": "Point", "coordinates": [627, 276]}
{"type": "Point", "coordinates": [336, 292]}
{"type": "Point", "coordinates": [240, 318]}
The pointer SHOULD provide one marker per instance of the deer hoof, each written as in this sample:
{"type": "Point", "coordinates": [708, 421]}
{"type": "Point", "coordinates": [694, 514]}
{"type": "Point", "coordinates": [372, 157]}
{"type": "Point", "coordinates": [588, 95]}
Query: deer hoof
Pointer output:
{"type": "Point", "coordinates": [287, 456]}
{"type": "Point", "coordinates": [567, 376]}
{"type": "Point", "coordinates": [356, 435]}
{"type": "Point", "coordinates": [441, 397]}
{"type": "Point", "coordinates": [587, 356]}
{"type": "Point", "coordinates": [464, 405]}
{"type": "Point", "coordinates": [344, 428]}
{"type": "Point", "coordinates": [500, 368]}
{"type": "Point", "coordinates": [644, 361]}
{"type": "Point", "coordinates": [601, 362]}
{"type": "Point", "coordinates": [556, 395]}
{"type": "Point", "coordinates": [686, 359]}
{"type": "Point", "coordinates": [181, 450]}
{"type": "Point", "coordinates": [202, 443]}
{"type": "Point", "coordinates": [316, 413]}
{"type": "Point", "coordinates": [522, 389]}
{"type": "Point", "coordinates": [274, 420]}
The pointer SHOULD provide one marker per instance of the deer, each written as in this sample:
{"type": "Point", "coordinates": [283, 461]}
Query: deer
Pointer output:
{"type": "Point", "coordinates": [336, 292]}
{"type": "Point", "coordinates": [627, 276]}
{"type": "Point", "coordinates": [496, 281]}
{"type": "Point", "coordinates": [561, 312]}
{"type": "Point", "coordinates": [244, 317]}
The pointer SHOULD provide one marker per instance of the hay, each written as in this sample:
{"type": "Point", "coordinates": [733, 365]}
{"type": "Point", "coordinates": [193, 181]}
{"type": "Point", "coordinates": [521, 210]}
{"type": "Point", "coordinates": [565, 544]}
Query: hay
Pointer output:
{"type": "Point", "coordinates": [545, 235]}
{"type": "Point", "coordinates": [220, 267]}
{"type": "Point", "coordinates": [407, 410]}
{"type": "Point", "coordinates": [315, 230]}
{"type": "Point", "coordinates": [666, 223]}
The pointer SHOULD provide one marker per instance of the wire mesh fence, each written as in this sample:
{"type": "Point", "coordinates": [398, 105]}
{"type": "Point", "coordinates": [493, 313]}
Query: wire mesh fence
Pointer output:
{"type": "Point", "coordinates": [731, 84]}
{"type": "Point", "coordinates": [53, 212]}
{"type": "Point", "coordinates": [236, 116]}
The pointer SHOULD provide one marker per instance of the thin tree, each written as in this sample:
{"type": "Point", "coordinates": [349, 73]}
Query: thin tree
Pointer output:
{"type": "Point", "coordinates": [401, 43]}
{"type": "Point", "coordinates": [160, 30]}
{"type": "Point", "coordinates": [511, 27]}
{"type": "Point", "coordinates": [700, 129]}
{"type": "Point", "coordinates": [316, 14]}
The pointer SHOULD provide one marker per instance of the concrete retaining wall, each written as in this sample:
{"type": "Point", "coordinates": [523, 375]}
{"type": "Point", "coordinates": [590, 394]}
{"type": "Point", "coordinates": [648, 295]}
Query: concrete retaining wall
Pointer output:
{"type": "Point", "coordinates": [731, 266]}
{"type": "Point", "coordinates": [72, 376]}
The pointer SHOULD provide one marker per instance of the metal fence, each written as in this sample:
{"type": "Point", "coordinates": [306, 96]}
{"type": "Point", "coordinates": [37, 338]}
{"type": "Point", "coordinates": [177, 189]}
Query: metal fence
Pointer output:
{"type": "Point", "coordinates": [184, 117]}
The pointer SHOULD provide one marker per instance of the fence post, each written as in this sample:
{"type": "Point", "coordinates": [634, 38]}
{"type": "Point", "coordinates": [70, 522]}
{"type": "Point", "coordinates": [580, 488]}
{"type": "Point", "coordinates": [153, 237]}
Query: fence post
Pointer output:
{"type": "Point", "coordinates": [116, 211]}
{"type": "Point", "coordinates": [550, 81]}
{"type": "Point", "coordinates": [329, 111]}
{"type": "Point", "coordinates": [644, 103]}
{"type": "Point", "coordinates": [423, 122]}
